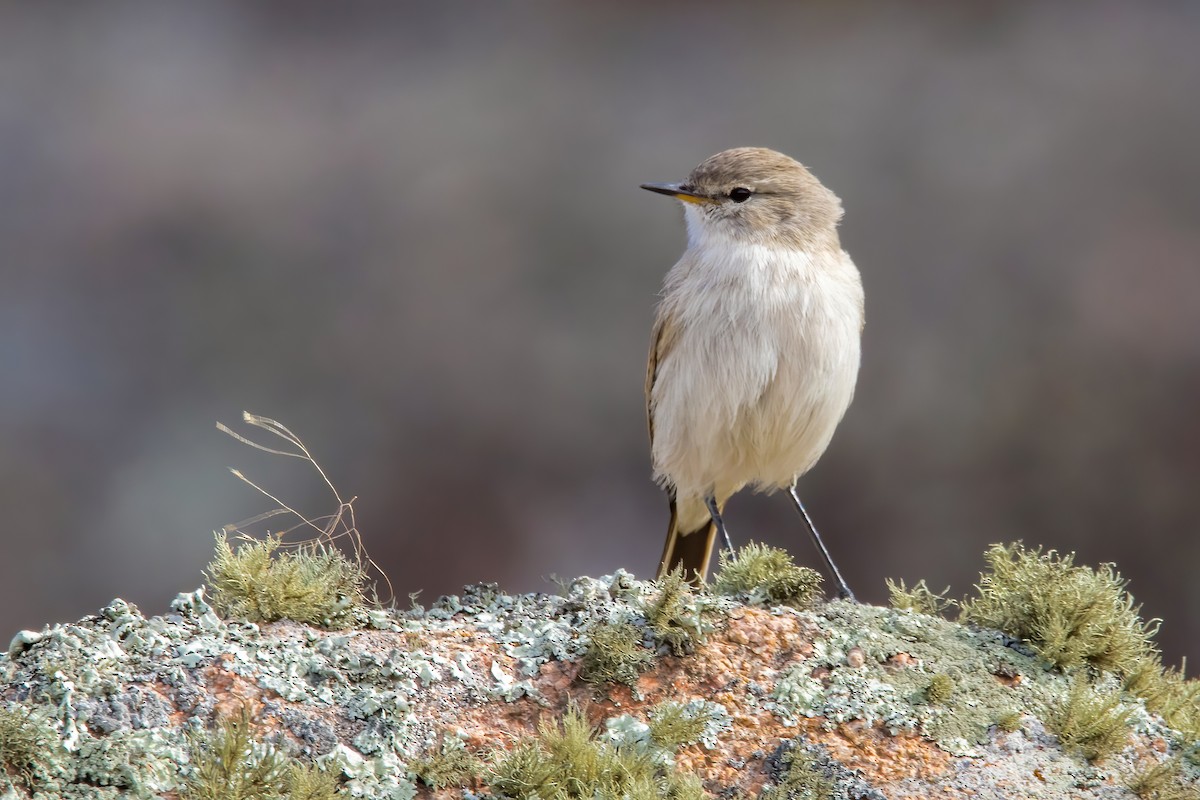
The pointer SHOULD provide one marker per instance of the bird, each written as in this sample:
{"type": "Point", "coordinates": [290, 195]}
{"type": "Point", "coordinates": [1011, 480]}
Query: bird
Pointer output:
{"type": "Point", "coordinates": [755, 347]}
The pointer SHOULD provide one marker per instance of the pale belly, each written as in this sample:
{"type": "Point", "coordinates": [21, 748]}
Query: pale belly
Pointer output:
{"type": "Point", "coordinates": [755, 401]}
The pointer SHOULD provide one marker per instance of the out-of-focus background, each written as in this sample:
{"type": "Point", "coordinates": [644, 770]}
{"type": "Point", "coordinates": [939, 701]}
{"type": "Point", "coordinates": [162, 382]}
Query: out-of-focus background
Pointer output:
{"type": "Point", "coordinates": [414, 235]}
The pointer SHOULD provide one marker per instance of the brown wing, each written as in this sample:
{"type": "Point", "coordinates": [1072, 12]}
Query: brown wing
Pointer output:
{"type": "Point", "coordinates": [662, 339]}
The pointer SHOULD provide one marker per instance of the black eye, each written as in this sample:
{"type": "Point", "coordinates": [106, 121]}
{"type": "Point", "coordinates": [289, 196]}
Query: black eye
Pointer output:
{"type": "Point", "coordinates": [740, 195]}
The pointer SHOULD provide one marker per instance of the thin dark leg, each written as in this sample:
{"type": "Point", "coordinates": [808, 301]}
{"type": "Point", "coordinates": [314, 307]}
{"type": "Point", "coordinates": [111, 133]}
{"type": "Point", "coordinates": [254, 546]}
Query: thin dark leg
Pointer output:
{"type": "Point", "coordinates": [715, 513]}
{"type": "Point", "coordinates": [843, 589]}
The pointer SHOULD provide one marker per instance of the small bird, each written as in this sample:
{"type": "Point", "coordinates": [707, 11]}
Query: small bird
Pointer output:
{"type": "Point", "coordinates": [755, 348]}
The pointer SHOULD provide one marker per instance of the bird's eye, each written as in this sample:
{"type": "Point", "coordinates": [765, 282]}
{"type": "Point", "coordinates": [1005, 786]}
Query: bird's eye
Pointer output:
{"type": "Point", "coordinates": [740, 195]}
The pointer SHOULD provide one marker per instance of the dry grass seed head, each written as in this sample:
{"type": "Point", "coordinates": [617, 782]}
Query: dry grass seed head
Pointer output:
{"type": "Point", "coordinates": [920, 598]}
{"type": "Point", "coordinates": [326, 531]}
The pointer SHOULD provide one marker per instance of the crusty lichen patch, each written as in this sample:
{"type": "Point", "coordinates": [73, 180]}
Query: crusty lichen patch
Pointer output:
{"type": "Point", "coordinates": [878, 665]}
{"type": "Point", "coordinates": [376, 704]}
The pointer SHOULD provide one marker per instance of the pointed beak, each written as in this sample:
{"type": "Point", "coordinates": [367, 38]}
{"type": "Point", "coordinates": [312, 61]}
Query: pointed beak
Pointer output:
{"type": "Point", "coordinates": [678, 191]}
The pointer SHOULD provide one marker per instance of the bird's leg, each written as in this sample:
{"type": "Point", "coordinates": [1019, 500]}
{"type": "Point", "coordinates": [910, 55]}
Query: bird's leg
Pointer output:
{"type": "Point", "coordinates": [715, 513]}
{"type": "Point", "coordinates": [843, 589]}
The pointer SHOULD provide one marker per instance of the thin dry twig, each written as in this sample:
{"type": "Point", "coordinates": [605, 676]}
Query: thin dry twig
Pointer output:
{"type": "Point", "coordinates": [329, 528]}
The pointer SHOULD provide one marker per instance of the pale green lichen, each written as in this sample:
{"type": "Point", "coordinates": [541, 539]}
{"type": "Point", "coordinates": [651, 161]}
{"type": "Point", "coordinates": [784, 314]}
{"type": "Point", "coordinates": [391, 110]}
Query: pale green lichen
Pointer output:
{"type": "Point", "coordinates": [110, 737]}
{"type": "Point", "coordinates": [841, 696]}
{"type": "Point", "coordinates": [669, 726]}
{"type": "Point", "coordinates": [383, 776]}
{"type": "Point", "coordinates": [141, 762]}
{"type": "Point", "coordinates": [114, 740]}
{"type": "Point", "coordinates": [894, 692]}
{"type": "Point", "coordinates": [76, 674]}
{"type": "Point", "coordinates": [632, 619]}
{"type": "Point", "coordinates": [96, 682]}
{"type": "Point", "coordinates": [532, 634]}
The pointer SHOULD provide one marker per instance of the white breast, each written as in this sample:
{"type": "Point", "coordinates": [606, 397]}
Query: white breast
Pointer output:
{"type": "Point", "coordinates": [762, 368]}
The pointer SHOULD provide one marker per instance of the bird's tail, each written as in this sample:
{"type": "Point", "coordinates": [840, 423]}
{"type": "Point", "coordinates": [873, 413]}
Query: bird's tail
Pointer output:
{"type": "Point", "coordinates": [690, 539]}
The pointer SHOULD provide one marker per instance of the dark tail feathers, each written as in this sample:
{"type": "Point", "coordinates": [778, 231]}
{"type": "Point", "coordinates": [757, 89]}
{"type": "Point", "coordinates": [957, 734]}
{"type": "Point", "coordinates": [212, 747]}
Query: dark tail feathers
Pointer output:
{"type": "Point", "coordinates": [691, 550]}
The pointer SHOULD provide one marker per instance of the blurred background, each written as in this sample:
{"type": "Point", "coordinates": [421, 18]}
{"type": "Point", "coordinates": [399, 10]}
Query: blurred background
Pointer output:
{"type": "Point", "coordinates": [413, 234]}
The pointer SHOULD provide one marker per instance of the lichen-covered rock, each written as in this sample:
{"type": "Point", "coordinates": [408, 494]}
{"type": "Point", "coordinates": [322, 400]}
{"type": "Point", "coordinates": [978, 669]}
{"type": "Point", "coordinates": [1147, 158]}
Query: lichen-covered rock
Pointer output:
{"type": "Point", "coordinates": [884, 703]}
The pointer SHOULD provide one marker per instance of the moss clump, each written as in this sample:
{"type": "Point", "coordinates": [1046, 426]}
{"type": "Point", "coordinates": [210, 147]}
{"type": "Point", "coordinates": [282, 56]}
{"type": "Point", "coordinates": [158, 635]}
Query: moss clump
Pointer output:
{"type": "Point", "coordinates": [1170, 695]}
{"type": "Point", "coordinates": [1090, 721]}
{"type": "Point", "coordinates": [801, 779]}
{"type": "Point", "coordinates": [768, 575]}
{"type": "Point", "coordinates": [1071, 616]}
{"type": "Point", "coordinates": [313, 583]}
{"type": "Point", "coordinates": [668, 615]}
{"type": "Point", "coordinates": [920, 598]}
{"type": "Point", "coordinates": [229, 764]}
{"type": "Point", "coordinates": [672, 725]}
{"type": "Point", "coordinates": [310, 782]}
{"type": "Point", "coordinates": [1162, 781]}
{"type": "Point", "coordinates": [24, 742]}
{"type": "Point", "coordinates": [940, 688]}
{"type": "Point", "coordinates": [451, 765]}
{"type": "Point", "coordinates": [614, 653]}
{"type": "Point", "coordinates": [569, 763]}
{"type": "Point", "coordinates": [1009, 722]}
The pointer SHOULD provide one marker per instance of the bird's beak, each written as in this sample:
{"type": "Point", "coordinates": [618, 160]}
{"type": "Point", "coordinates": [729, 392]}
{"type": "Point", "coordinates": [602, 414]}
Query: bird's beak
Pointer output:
{"type": "Point", "coordinates": [677, 191]}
